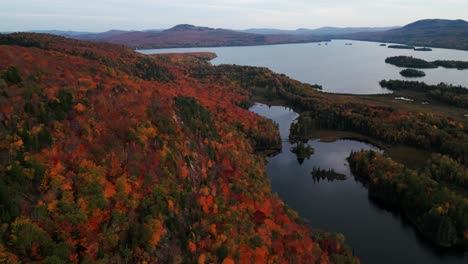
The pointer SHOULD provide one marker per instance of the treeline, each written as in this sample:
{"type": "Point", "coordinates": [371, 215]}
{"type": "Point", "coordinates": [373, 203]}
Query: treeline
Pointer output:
{"type": "Point", "coordinates": [439, 213]}
{"type": "Point", "coordinates": [446, 93]}
{"type": "Point", "coordinates": [422, 130]}
{"type": "Point", "coordinates": [410, 62]}
{"type": "Point", "coordinates": [258, 81]}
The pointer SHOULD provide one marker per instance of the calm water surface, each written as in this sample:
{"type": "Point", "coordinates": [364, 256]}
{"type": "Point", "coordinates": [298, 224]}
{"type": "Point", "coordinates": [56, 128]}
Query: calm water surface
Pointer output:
{"type": "Point", "coordinates": [340, 68]}
{"type": "Point", "coordinates": [375, 235]}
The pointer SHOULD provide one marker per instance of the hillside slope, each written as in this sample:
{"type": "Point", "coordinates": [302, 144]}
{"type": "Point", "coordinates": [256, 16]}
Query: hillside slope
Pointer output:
{"type": "Point", "coordinates": [191, 36]}
{"type": "Point", "coordinates": [112, 156]}
{"type": "Point", "coordinates": [440, 33]}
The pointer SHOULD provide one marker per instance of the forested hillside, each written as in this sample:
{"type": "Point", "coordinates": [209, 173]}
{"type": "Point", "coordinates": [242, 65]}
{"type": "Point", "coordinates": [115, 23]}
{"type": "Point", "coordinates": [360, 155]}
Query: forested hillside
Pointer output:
{"type": "Point", "coordinates": [422, 196]}
{"type": "Point", "coordinates": [108, 155]}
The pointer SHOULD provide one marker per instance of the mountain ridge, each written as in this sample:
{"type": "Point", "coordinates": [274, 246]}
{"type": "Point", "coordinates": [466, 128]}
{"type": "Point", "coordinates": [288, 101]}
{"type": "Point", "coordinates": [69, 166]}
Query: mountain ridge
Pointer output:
{"type": "Point", "coordinates": [185, 35]}
{"type": "Point", "coordinates": [440, 33]}
{"type": "Point", "coordinates": [322, 31]}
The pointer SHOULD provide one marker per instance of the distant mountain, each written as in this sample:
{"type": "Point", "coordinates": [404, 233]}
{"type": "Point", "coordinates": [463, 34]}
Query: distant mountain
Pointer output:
{"type": "Point", "coordinates": [90, 36]}
{"type": "Point", "coordinates": [323, 31]}
{"type": "Point", "coordinates": [268, 31]}
{"type": "Point", "coordinates": [348, 30]}
{"type": "Point", "coordinates": [153, 30]}
{"type": "Point", "coordinates": [193, 36]}
{"type": "Point", "coordinates": [101, 36]}
{"type": "Point", "coordinates": [440, 33]}
{"type": "Point", "coordinates": [67, 33]}
{"type": "Point", "coordinates": [430, 32]}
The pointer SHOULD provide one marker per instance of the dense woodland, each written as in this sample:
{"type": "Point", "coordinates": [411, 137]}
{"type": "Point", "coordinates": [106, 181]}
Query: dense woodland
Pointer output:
{"type": "Point", "coordinates": [422, 196]}
{"type": "Point", "coordinates": [108, 155]}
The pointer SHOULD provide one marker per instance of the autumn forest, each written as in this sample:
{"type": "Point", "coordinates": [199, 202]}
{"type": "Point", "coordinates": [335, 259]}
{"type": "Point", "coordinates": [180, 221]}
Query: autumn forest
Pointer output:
{"type": "Point", "coordinates": [111, 156]}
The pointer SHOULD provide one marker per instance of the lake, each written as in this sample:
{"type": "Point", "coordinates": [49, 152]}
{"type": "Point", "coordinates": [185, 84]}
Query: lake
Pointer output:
{"type": "Point", "coordinates": [339, 68]}
{"type": "Point", "coordinates": [375, 234]}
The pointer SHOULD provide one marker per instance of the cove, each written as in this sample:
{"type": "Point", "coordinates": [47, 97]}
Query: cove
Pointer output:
{"type": "Point", "coordinates": [375, 234]}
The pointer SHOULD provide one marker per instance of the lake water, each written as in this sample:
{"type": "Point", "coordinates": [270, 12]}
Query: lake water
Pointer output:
{"type": "Point", "coordinates": [340, 68]}
{"type": "Point", "coordinates": [375, 234]}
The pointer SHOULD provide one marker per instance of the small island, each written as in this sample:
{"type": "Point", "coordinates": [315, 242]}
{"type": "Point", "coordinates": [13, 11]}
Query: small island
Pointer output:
{"type": "Point", "coordinates": [423, 49]}
{"type": "Point", "coordinates": [319, 174]}
{"type": "Point", "coordinates": [400, 47]}
{"type": "Point", "coordinates": [302, 151]}
{"type": "Point", "coordinates": [461, 65]}
{"type": "Point", "coordinates": [383, 45]}
{"type": "Point", "coordinates": [410, 62]}
{"type": "Point", "coordinates": [412, 73]}
{"type": "Point", "coordinates": [407, 47]}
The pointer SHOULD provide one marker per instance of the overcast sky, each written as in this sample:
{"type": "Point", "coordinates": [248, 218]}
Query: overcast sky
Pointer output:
{"type": "Point", "coordinates": [101, 15]}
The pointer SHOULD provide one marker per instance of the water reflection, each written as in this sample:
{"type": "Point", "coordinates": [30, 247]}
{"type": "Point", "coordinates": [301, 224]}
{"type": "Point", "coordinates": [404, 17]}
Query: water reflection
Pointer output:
{"type": "Point", "coordinates": [375, 234]}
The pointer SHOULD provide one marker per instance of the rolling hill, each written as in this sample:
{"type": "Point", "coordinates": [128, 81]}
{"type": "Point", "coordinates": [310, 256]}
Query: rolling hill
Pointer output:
{"type": "Point", "coordinates": [439, 33]}
{"type": "Point", "coordinates": [191, 36]}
